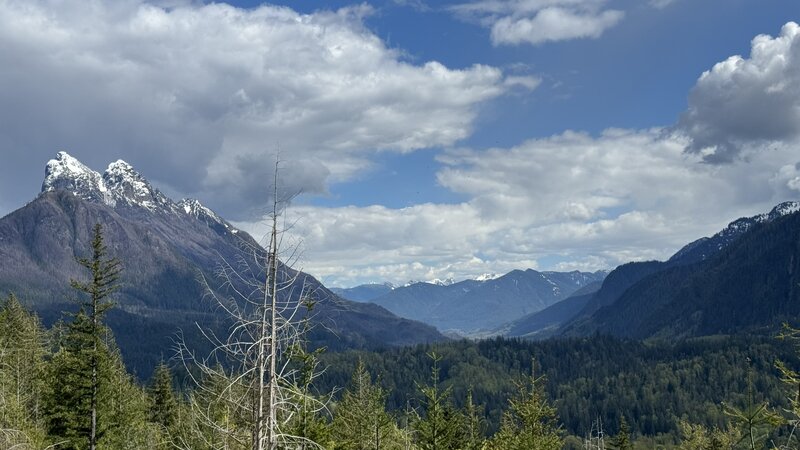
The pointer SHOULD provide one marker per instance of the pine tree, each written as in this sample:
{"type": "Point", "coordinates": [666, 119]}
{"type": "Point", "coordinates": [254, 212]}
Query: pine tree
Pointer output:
{"type": "Point", "coordinates": [163, 404]}
{"type": "Point", "coordinates": [308, 424]}
{"type": "Point", "coordinates": [92, 401]}
{"type": "Point", "coordinates": [474, 425]}
{"type": "Point", "coordinates": [22, 353]}
{"type": "Point", "coordinates": [529, 424]}
{"type": "Point", "coordinates": [88, 326]}
{"type": "Point", "coordinates": [361, 421]}
{"type": "Point", "coordinates": [441, 426]}
{"type": "Point", "coordinates": [622, 441]}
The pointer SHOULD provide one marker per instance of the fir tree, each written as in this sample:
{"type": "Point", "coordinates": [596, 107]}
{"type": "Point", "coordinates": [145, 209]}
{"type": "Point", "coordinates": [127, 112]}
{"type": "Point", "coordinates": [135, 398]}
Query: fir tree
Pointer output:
{"type": "Point", "coordinates": [361, 421]}
{"type": "Point", "coordinates": [622, 441]}
{"type": "Point", "coordinates": [22, 353]}
{"type": "Point", "coordinates": [163, 404]}
{"type": "Point", "coordinates": [92, 401]}
{"type": "Point", "coordinates": [529, 424]}
{"type": "Point", "coordinates": [88, 326]}
{"type": "Point", "coordinates": [474, 425]}
{"type": "Point", "coordinates": [441, 426]}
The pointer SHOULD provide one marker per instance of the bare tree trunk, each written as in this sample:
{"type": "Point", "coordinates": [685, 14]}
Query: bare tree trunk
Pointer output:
{"type": "Point", "coordinates": [93, 433]}
{"type": "Point", "coordinates": [273, 340]}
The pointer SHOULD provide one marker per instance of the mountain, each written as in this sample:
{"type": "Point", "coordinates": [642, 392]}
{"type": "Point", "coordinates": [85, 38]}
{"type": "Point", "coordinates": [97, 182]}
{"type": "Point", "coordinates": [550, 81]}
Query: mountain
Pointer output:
{"type": "Point", "coordinates": [743, 279]}
{"type": "Point", "coordinates": [364, 292]}
{"type": "Point", "coordinates": [166, 247]}
{"type": "Point", "coordinates": [545, 323]}
{"type": "Point", "coordinates": [473, 306]}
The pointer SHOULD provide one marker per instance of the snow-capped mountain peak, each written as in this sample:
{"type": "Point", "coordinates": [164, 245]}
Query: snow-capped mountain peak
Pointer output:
{"type": "Point", "coordinates": [67, 173]}
{"type": "Point", "coordinates": [130, 187]}
{"type": "Point", "coordinates": [119, 185]}
{"type": "Point", "coordinates": [704, 247]}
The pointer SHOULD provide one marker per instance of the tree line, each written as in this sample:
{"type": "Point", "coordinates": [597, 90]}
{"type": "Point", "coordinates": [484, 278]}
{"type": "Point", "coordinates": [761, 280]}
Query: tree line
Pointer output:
{"type": "Point", "coordinates": [264, 386]}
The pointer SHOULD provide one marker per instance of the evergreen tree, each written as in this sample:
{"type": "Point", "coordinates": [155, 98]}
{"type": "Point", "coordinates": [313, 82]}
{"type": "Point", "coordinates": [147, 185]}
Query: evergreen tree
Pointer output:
{"type": "Point", "coordinates": [755, 421]}
{"type": "Point", "coordinates": [308, 424]}
{"type": "Point", "coordinates": [88, 327]}
{"type": "Point", "coordinates": [163, 404]}
{"type": "Point", "coordinates": [361, 421]}
{"type": "Point", "coordinates": [22, 353]}
{"type": "Point", "coordinates": [441, 426]}
{"type": "Point", "coordinates": [92, 401]}
{"type": "Point", "coordinates": [698, 437]}
{"type": "Point", "coordinates": [529, 424]}
{"type": "Point", "coordinates": [474, 425]}
{"type": "Point", "coordinates": [622, 441]}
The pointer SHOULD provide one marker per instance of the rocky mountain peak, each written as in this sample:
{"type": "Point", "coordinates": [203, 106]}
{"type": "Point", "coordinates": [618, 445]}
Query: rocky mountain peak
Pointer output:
{"type": "Point", "coordinates": [706, 246]}
{"type": "Point", "coordinates": [67, 173]}
{"type": "Point", "coordinates": [130, 187]}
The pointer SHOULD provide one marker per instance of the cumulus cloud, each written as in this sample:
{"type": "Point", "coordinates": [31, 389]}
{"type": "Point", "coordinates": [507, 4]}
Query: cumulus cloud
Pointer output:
{"type": "Point", "coordinates": [200, 97]}
{"type": "Point", "coordinates": [743, 103]}
{"type": "Point", "coordinates": [537, 21]}
{"type": "Point", "coordinates": [568, 202]}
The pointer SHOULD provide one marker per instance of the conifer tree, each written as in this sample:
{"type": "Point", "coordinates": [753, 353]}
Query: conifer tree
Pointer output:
{"type": "Point", "coordinates": [94, 402]}
{"type": "Point", "coordinates": [22, 353]}
{"type": "Point", "coordinates": [474, 425]}
{"type": "Point", "coordinates": [88, 324]}
{"type": "Point", "coordinates": [361, 421]}
{"type": "Point", "coordinates": [163, 404]}
{"type": "Point", "coordinates": [529, 424]}
{"type": "Point", "coordinates": [441, 426]}
{"type": "Point", "coordinates": [622, 440]}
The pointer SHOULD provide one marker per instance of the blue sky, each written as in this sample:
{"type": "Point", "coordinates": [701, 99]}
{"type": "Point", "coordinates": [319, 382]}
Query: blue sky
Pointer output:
{"type": "Point", "coordinates": [430, 139]}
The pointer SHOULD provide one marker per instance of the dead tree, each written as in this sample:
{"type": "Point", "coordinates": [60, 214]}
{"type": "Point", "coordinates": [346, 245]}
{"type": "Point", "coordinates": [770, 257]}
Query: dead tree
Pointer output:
{"type": "Point", "coordinates": [250, 373]}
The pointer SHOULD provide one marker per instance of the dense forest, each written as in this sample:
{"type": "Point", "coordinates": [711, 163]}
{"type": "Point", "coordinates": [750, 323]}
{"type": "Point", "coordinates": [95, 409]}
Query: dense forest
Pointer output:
{"type": "Point", "coordinates": [67, 387]}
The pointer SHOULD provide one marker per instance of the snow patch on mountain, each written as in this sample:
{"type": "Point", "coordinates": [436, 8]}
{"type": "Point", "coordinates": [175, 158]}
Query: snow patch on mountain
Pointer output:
{"type": "Point", "coordinates": [733, 231]}
{"type": "Point", "coordinates": [487, 277]}
{"type": "Point", "coordinates": [121, 186]}
{"type": "Point", "coordinates": [67, 173]}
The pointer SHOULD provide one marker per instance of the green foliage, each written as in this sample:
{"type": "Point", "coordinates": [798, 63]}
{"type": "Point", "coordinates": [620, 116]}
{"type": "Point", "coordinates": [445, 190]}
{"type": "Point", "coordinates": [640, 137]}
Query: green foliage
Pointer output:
{"type": "Point", "coordinates": [163, 403]}
{"type": "Point", "coordinates": [655, 384]}
{"type": "Point", "coordinates": [360, 418]}
{"type": "Point", "coordinates": [441, 426]}
{"type": "Point", "coordinates": [474, 425]}
{"type": "Point", "coordinates": [622, 440]}
{"type": "Point", "coordinates": [22, 352]}
{"type": "Point", "coordinates": [698, 437]}
{"type": "Point", "coordinates": [529, 424]}
{"type": "Point", "coordinates": [755, 421]}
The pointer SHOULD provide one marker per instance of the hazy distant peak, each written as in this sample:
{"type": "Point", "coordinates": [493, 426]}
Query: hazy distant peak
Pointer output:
{"type": "Point", "coordinates": [487, 277]}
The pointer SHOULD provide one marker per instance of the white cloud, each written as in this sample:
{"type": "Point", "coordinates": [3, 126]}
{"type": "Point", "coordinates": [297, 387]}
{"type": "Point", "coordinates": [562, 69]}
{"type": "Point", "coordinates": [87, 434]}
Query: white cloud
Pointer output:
{"type": "Point", "coordinates": [571, 201]}
{"type": "Point", "coordinates": [661, 4]}
{"type": "Point", "coordinates": [537, 21]}
{"type": "Point", "coordinates": [746, 102]}
{"type": "Point", "coordinates": [198, 96]}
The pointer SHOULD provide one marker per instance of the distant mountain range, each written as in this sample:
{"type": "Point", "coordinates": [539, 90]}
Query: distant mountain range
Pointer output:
{"type": "Point", "coordinates": [164, 247]}
{"type": "Point", "coordinates": [473, 307]}
{"type": "Point", "coordinates": [746, 278]}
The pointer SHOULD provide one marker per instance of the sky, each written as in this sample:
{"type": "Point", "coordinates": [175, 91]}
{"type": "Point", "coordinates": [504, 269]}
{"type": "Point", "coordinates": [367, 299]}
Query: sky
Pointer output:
{"type": "Point", "coordinates": [426, 139]}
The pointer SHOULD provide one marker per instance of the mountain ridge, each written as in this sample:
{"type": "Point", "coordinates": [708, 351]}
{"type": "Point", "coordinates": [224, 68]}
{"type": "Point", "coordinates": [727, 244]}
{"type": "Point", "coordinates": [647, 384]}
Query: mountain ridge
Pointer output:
{"type": "Point", "coordinates": [165, 246]}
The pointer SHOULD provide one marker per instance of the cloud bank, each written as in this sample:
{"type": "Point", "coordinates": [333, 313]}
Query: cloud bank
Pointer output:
{"type": "Point", "coordinates": [742, 104]}
{"type": "Point", "coordinates": [204, 95]}
{"type": "Point", "coordinates": [568, 202]}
